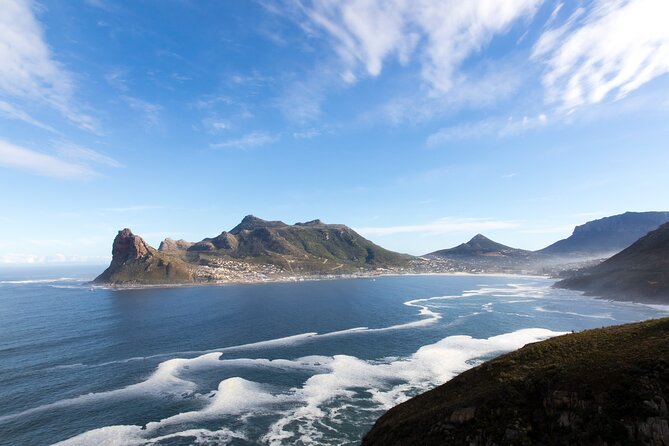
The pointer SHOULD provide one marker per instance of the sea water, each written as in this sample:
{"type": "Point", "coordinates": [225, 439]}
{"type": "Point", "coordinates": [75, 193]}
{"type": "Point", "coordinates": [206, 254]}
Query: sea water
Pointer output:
{"type": "Point", "coordinates": [304, 363]}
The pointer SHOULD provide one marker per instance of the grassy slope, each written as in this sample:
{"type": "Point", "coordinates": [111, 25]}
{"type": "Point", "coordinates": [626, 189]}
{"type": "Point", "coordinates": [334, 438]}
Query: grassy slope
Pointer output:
{"type": "Point", "coordinates": [583, 388]}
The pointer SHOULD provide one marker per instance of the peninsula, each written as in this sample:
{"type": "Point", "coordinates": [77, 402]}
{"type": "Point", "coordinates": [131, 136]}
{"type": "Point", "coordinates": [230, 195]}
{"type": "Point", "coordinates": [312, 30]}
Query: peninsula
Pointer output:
{"type": "Point", "coordinates": [255, 250]}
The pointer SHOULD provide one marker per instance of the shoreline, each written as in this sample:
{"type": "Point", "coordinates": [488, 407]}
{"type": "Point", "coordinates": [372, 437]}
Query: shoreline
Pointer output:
{"type": "Point", "coordinates": [298, 279]}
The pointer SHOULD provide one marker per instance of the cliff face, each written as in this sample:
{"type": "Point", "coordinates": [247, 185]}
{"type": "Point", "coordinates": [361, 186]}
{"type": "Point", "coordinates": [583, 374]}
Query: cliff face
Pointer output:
{"type": "Point", "coordinates": [608, 235]}
{"type": "Point", "coordinates": [599, 387]}
{"type": "Point", "coordinates": [640, 272]}
{"type": "Point", "coordinates": [135, 262]}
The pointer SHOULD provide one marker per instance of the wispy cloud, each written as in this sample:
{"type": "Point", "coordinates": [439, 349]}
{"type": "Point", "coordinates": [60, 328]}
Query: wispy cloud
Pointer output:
{"type": "Point", "coordinates": [83, 154]}
{"type": "Point", "coordinates": [77, 165]}
{"type": "Point", "coordinates": [446, 225]}
{"type": "Point", "coordinates": [489, 127]}
{"type": "Point", "coordinates": [610, 50]}
{"type": "Point", "coordinates": [443, 33]}
{"type": "Point", "coordinates": [10, 111]}
{"type": "Point", "coordinates": [28, 71]}
{"type": "Point", "coordinates": [41, 164]}
{"type": "Point", "coordinates": [135, 208]}
{"type": "Point", "coordinates": [149, 111]}
{"type": "Point", "coordinates": [248, 141]}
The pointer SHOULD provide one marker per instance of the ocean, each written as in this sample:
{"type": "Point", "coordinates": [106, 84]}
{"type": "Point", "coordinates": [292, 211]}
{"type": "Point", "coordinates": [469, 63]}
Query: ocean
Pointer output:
{"type": "Point", "coordinates": [305, 363]}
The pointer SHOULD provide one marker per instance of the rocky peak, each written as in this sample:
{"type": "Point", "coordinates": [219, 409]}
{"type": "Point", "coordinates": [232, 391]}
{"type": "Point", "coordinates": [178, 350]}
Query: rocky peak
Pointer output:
{"type": "Point", "coordinates": [174, 245]}
{"type": "Point", "coordinates": [128, 246]}
{"type": "Point", "coordinates": [251, 222]}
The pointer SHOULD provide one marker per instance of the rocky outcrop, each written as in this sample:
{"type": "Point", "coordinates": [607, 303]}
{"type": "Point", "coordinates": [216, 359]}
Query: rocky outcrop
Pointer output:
{"type": "Point", "coordinates": [134, 262]}
{"type": "Point", "coordinates": [640, 272]}
{"type": "Point", "coordinates": [169, 245]}
{"type": "Point", "coordinates": [599, 387]}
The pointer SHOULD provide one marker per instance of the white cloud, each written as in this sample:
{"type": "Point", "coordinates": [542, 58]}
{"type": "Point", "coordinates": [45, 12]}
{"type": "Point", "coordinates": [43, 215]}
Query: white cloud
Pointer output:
{"type": "Point", "coordinates": [444, 32]}
{"type": "Point", "coordinates": [610, 50]}
{"type": "Point", "coordinates": [442, 226]}
{"type": "Point", "coordinates": [28, 70]}
{"type": "Point", "coordinates": [28, 160]}
{"type": "Point", "coordinates": [248, 141]}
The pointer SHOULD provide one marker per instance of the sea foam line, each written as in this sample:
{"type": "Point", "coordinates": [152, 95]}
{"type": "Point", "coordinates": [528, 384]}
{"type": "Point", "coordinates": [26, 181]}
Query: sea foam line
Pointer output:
{"type": "Point", "coordinates": [317, 403]}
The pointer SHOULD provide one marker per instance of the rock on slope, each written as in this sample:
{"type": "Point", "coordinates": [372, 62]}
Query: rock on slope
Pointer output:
{"type": "Point", "coordinates": [640, 272]}
{"type": "Point", "coordinates": [599, 387]}
{"type": "Point", "coordinates": [135, 262]}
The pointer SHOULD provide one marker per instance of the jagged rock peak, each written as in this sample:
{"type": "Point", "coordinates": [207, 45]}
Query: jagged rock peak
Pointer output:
{"type": "Point", "coordinates": [128, 246]}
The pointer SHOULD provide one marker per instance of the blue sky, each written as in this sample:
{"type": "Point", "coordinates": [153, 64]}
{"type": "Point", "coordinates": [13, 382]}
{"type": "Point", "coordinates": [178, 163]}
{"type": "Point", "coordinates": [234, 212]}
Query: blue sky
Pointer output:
{"type": "Point", "coordinates": [419, 123]}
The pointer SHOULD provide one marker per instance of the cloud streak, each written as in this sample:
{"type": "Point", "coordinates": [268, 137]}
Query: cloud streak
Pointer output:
{"type": "Point", "coordinates": [442, 226]}
{"type": "Point", "coordinates": [608, 51]}
{"type": "Point", "coordinates": [31, 161]}
{"type": "Point", "coordinates": [248, 141]}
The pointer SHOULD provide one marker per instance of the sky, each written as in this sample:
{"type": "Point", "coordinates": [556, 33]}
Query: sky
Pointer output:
{"type": "Point", "coordinates": [419, 123]}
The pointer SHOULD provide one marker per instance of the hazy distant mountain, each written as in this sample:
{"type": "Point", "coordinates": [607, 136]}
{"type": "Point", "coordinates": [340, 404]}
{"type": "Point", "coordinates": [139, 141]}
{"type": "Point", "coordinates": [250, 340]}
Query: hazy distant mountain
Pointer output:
{"type": "Point", "coordinates": [254, 248]}
{"type": "Point", "coordinates": [639, 272]}
{"type": "Point", "coordinates": [480, 245]}
{"type": "Point", "coordinates": [480, 254]}
{"type": "Point", "coordinates": [606, 236]}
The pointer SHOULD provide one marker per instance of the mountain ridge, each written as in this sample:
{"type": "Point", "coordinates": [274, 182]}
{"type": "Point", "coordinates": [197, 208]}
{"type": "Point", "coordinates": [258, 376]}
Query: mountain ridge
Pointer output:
{"type": "Point", "coordinates": [255, 249]}
{"type": "Point", "coordinates": [641, 271]}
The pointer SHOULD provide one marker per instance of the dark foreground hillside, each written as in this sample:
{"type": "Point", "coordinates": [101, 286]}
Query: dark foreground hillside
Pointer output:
{"type": "Point", "coordinates": [599, 387]}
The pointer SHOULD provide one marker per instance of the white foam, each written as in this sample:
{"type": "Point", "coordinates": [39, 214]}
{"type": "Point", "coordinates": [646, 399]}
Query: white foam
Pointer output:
{"type": "Point", "coordinates": [164, 380]}
{"type": "Point", "coordinates": [572, 313]}
{"type": "Point", "coordinates": [124, 435]}
{"type": "Point", "coordinates": [318, 403]}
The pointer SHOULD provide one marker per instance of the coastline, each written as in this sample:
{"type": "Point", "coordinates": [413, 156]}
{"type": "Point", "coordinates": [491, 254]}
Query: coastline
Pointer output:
{"type": "Point", "coordinates": [298, 278]}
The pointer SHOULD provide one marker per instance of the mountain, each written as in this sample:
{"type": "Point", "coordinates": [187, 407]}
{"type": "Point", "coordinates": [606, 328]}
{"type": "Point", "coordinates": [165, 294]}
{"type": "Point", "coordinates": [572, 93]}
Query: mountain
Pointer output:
{"type": "Point", "coordinates": [606, 236]}
{"type": "Point", "coordinates": [480, 245]}
{"type": "Point", "coordinates": [608, 386]}
{"type": "Point", "coordinates": [254, 250]}
{"type": "Point", "coordinates": [482, 254]}
{"type": "Point", "coordinates": [639, 272]}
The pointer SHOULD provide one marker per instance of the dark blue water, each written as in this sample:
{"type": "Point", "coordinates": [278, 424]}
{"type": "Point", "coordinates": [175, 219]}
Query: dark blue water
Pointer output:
{"type": "Point", "coordinates": [285, 363]}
